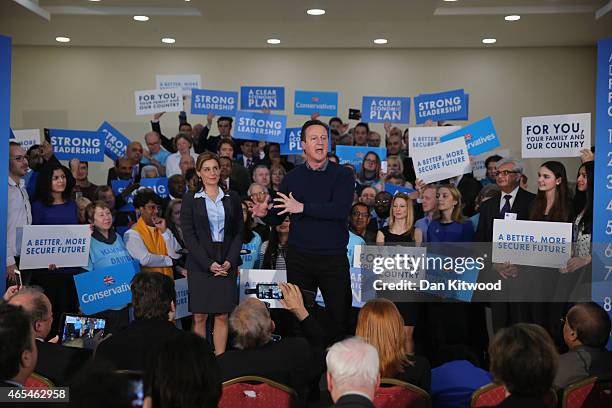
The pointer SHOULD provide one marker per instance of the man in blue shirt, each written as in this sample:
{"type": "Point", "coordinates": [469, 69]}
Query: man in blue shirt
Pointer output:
{"type": "Point", "coordinates": [156, 155]}
{"type": "Point", "coordinates": [318, 196]}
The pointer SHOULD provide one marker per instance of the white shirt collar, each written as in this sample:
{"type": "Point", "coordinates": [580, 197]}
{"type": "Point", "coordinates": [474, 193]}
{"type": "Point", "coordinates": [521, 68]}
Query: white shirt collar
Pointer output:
{"type": "Point", "coordinates": [502, 200]}
{"type": "Point", "coordinates": [202, 194]}
{"type": "Point", "coordinates": [12, 182]}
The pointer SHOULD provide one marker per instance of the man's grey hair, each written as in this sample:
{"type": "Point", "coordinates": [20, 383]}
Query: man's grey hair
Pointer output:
{"type": "Point", "coordinates": [251, 324]}
{"type": "Point", "coordinates": [517, 165]}
{"type": "Point", "coordinates": [253, 185]}
{"type": "Point", "coordinates": [353, 363]}
{"type": "Point", "coordinates": [39, 310]}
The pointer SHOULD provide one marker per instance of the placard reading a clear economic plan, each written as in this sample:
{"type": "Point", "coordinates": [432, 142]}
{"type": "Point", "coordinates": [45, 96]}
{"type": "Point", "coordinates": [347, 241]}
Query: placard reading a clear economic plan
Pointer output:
{"type": "Point", "coordinates": [480, 137]}
{"type": "Point", "coordinates": [556, 135]}
{"type": "Point", "coordinates": [449, 105]}
{"type": "Point", "coordinates": [354, 154]}
{"type": "Point", "coordinates": [420, 137]}
{"type": "Point", "coordinates": [105, 288]}
{"type": "Point", "coordinates": [221, 103]}
{"type": "Point", "coordinates": [115, 142]}
{"type": "Point", "coordinates": [293, 141]}
{"type": "Point", "coordinates": [85, 145]}
{"type": "Point", "coordinates": [262, 97]}
{"type": "Point", "coordinates": [62, 245]}
{"type": "Point", "coordinates": [158, 100]}
{"type": "Point", "coordinates": [260, 126]}
{"type": "Point", "coordinates": [535, 243]}
{"type": "Point", "coordinates": [442, 161]}
{"type": "Point", "coordinates": [27, 137]}
{"type": "Point", "coordinates": [380, 109]}
{"type": "Point", "coordinates": [185, 82]}
{"type": "Point", "coordinates": [249, 278]}
{"type": "Point", "coordinates": [309, 102]}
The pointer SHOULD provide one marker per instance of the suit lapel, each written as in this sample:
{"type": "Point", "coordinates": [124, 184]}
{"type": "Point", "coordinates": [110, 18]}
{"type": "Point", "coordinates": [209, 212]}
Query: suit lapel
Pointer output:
{"type": "Point", "coordinates": [202, 216]}
{"type": "Point", "coordinates": [227, 207]}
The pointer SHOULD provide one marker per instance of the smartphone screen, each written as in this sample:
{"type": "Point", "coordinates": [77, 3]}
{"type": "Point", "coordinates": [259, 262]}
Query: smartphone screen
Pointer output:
{"type": "Point", "coordinates": [18, 278]}
{"type": "Point", "coordinates": [269, 291]}
{"type": "Point", "coordinates": [76, 329]}
{"type": "Point", "coordinates": [135, 382]}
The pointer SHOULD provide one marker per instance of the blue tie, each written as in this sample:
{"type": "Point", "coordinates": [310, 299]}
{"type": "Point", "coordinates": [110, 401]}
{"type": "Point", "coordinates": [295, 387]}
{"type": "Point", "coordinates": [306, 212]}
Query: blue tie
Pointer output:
{"type": "Point", "coordinates": [506, 207]}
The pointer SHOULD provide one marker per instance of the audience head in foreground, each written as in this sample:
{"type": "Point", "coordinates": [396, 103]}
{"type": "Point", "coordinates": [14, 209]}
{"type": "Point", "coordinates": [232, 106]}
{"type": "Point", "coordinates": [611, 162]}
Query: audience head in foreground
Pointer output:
{"type": "Point", "coordinates": [352, 370]}
{"type": "Point", "coordinates": [18, 352]}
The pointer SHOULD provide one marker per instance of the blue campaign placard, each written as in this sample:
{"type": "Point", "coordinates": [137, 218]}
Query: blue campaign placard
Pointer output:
{"type": "Point", "coordinates": [309, 102]}
{"type": "Point", "coordinates": [262, 97]}
{"type": "Point", "coordinates": [221, 103]}
{"type": "Point", "coordinates": [115, 142]}
{"type": "Point", "coordinates": [355, 154]}
{"type": "Point", "coordinates": [380, 109]}
{"type": "Point", "coordinates": [480, 137]}
{"type": "Point", "coordinates": [159, 185]}
{"type": "Point", "coordinates": [105, 288]}
{"type": "Point", "coordinates": [393, 189]}
{"type": "Point", "coordinates": [601, 283]}
{"type": "Point", "coordinates": [449, 105]}
{"type": "Point", "coordinates": [260, 126]}
{"type": "Point", "coordinates": [85, 145]}
{"type": "Point", "coordinates": [292, 143]}
{"type": "Point", "coordinates": [118, 186]}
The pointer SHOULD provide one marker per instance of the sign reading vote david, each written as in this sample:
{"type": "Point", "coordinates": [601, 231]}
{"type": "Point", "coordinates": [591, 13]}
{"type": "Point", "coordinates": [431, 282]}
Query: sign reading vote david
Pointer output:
{"type": "Point", "coordinates": [380, 109]}
{"type": "Point", "coordinates": [449, 105]}
{"type": "Point", "coordinates": [262, 97]}
{"type": "Point", "coordinates": [159, 185]}
{"type": "Point", "coordinates": [185, 82]}
{"type": "Point", "coordinates": [221, 103]}
{"type": "Point", "coordinates": [309, 102]}
{"type": "Point", "coordinates": [442, 161]}
{"type": "Point", "coordinates": [105, 288]}
{"type": "Point", "coordinates": [480, 137]}
{"type": "Point", "coordinates": [535, 243]}
{"type": "Point", "coordinates": [354, 154]}
{"type": "Point", "coordinates": [84, 145]}
{"type": "Point", "coordinates": [293, 141]}
{"type": "Point", "coordinates": [62, 245]}
{"type": "Point", "coordinates": [556, 136]}
{"type": "Point", "coordinates": [115, 142]}
{"type": "Point", "coordinates": [158, 100]}
{"type": "Point", "coordinates": [260, 126]}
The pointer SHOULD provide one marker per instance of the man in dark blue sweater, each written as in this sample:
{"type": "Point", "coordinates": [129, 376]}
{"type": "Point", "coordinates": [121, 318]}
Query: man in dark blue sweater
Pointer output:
{"type": "Point", "coordinates": [317, 195]}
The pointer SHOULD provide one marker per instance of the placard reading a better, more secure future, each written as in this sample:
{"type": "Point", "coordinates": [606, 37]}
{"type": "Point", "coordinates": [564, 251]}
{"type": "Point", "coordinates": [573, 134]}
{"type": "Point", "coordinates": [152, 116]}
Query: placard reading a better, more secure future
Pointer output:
{"type": "Point", "coordinates": [442, 161]}
{"type": "Point", "coordinates": [61, 245]}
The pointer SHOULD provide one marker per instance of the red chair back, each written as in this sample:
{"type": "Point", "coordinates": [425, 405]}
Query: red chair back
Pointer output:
{"type": "Point", "coordinates": [398, 394]}
{"type": "Point", "coordinates": [38, 381]}
{"type": "Point", "coordinates": [256, 392]}
{"type": "Point", "coordinates": [593, 392]}
{"type": "Point", "coordinates": [488, 395]}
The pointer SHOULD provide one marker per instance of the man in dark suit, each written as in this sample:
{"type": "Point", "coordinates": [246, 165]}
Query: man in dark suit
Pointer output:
{"type": "Point", "coordinates": [512, 203]}
{"type": "Point", "coordinates": [469, 188]}
{"type": "Point", "coordinates": [239, 173]}
{"type": "Point", "coordinates": [293, 361]}
{"type": "Point", "coordinates": [352, 373]}
{"type": "Point", "coordinates": [153, 298]}
{"type": "Point", "coordinates": [55, 362]}
{"type": "Point", "coordinates": [211, 144]}
{"type": "Point", "coordinates": [228, 181]}
{"type": "Point", "coordinates": [18, 352]}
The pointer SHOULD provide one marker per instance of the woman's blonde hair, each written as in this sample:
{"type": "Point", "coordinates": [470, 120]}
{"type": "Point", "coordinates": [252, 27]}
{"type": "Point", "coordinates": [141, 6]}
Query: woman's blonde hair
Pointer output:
{"type": "Point", "coordinates": [380, 324]}
{"type": "Point", "coordinates": [409, 212]}
{"type": "Point", "coordinates": [457, 214]}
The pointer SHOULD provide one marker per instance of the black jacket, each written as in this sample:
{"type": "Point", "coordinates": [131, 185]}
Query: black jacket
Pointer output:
{"type": "Point", "coordinates": [489, 210]}
{"type": "Point", "coordinates": [59, 363]}
{"type": "Point", "coordinates": [353, 401]}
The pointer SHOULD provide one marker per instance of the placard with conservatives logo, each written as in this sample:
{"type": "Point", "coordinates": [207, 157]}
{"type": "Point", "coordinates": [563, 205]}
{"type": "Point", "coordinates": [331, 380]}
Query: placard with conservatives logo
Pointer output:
{"type": "Point", "coordinates": [309, 102]}
{"type": "Point", "coordinates": [85, 145]}
{"type": "Point", "coordinates": [154, 101]}
{"type": "Point", "coordinates": [221, 103]}
{"type": "Point", "coordinates": [27, 137]}
{"type": "Point", "coordinates": [381, 109]}
{"type": "Point", "coordinates": [425, 136]}
{"type": "Point", "coordinates": [480, 137]}
{"type": "Point", "coordinates": [115, 142]}
{"type": "Point", "coordinates": [260, 126]}
{"type": "Point", "coordinates": [262, 97]}
{"type": "Point", "coordinates": [105, 288]}
{"type": "Point", "coordinates": [442, 161]}
{"type": "Point", "coordinates": [556, 135]}
{"type": "Point", "coordinates": [62, 245]}
{"type": "Point", "coordinates": [185, 82]}
{"type": "Point", "coordinates": [448, 105]}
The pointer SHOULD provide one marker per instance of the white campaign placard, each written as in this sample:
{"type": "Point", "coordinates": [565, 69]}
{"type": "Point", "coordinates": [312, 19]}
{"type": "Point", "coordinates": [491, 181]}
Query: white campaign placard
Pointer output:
{"type": "Point", "coordinates": [27, 137]}
{"type": "Point", "coordinates": [478, 164]}
{"type": "Point", "coordinates": [158, 100]}
{"type": "Point", "coordinates": [62, 245]}
{"type": "Point", "coordinates": [249, 278]}
{"type": "Point", "coordinates": [425, 136]}
{"type": "Point", "coordinates": [441, 161]}
{"type": "Point", "coordinates": [556, 136]}
{"type": "Point", "coordinates": [182, 298]}
{"type": "Point", "coordinates": [535, 243]}
{"type": "Point", "coordinates": [185, 82]}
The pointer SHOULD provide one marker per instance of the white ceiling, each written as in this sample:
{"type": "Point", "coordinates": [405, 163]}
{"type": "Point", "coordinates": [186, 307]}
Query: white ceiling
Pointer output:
{"type": "Point", "coordinates": [347, 23]}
